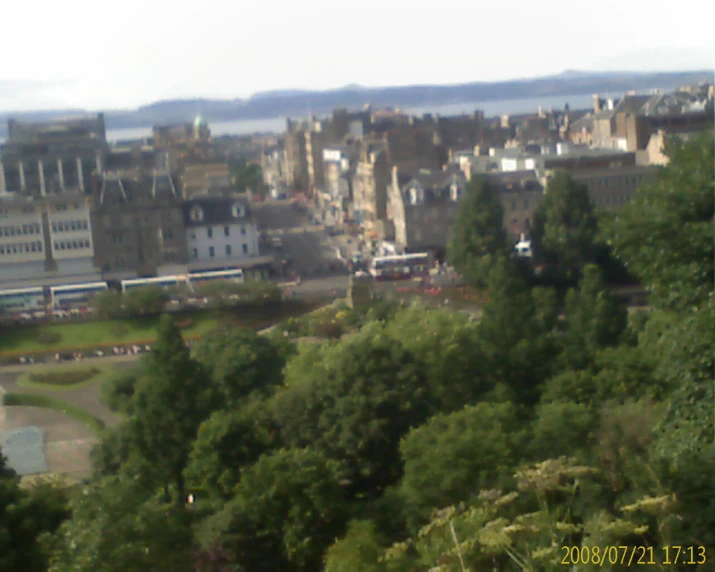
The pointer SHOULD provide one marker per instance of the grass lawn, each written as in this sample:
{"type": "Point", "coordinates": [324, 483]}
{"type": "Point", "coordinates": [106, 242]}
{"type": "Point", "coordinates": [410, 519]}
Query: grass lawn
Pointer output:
{"type": "Point", "coordinates": [25, 381]}
{"type": "Point", "coordinates": [24, 339]}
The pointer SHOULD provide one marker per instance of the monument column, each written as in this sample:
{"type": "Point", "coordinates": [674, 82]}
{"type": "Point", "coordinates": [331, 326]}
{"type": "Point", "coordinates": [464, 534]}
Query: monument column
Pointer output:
{"type": "Point", "coordinates": [80, 177]}
{"type": "Point", "coordinates": [41, 169]}
{"type": "Point", "coordinates": [21, 167]}
{"type": "Point", "coordinates": [61, 173]}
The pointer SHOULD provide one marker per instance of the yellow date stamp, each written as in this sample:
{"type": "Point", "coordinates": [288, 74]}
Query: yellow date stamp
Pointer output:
{"type": "Point", "coordinates": [633, 555]}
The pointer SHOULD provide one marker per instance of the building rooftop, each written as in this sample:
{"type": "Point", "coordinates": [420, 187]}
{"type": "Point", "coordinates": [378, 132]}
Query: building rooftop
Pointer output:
{"type": "Point", "coordinates": [200, 211]}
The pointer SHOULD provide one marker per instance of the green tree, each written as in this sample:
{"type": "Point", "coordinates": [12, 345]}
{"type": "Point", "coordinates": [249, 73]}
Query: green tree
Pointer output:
{"type": "Point", "coordinates": [565, 228]}
{"type": "Point", "coordinates": [560, 429]}
{"type": "Point", "coordinates": [25, 515]}
{"type": "Point", "coordinates": [353, 401]}
{"type": "Point", "coordinates": [171, 401]}
{"type": "Point", "coordinates": [144, 300]}
{"type": "Point", "coordinates": [517, 348]}
{"type": "Point", "coordinates": [228, 442]}
{"type": "Point", "coordinates": [451, 457]}
{"type": "Point", "coordinates": [107, 304]}
{"type": "Point", "coordinates": [479, 237]}
{"type": "Point", "coordinates": [664, 235]}
{"type": "Point", "coordinates": [360, 550]}
{"type": "Point", "coordinates": [117, 525]}
{"type": "Point", "coordinates": [246, 176]}
{"type": "Point", "coordinates": [241, 363]}
{"type": "Point", "coordinates": [287, 510]}
{"type": "Point", "coordinates": [594, 320]}
{"type": "Point", "coordinates": [447, 343]}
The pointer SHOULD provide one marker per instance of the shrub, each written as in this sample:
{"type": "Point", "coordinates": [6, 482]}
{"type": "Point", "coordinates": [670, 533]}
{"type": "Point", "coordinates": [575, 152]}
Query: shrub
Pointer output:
{"type": "Point", "coordinates": [328, 329]}
{"type": "Point", "coordinates": [48, 337]}
{"type": "Point", "coordinates": [64, 377]}
{"type": "Point", "coordinates": [76, 413]}
{"type": "Point", "coordinates": [118, 391]}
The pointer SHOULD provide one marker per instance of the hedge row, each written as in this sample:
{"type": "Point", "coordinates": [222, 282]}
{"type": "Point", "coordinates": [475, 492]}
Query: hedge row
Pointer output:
{"type": "Point", "coordinates": [64, 377]}
{"type": "Point", "coordinates": [31, 400]}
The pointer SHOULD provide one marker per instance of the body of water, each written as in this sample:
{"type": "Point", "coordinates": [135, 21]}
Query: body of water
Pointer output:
{"type": "Point", "coordinates": [490, 109]}
{"type": "Point", "coordinates": [278, 124]}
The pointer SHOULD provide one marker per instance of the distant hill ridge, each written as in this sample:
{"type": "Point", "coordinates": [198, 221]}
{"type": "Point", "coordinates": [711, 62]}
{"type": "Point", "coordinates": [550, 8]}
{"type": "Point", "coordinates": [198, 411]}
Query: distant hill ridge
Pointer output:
{"type": "Point", "coordinates": [296, 102]}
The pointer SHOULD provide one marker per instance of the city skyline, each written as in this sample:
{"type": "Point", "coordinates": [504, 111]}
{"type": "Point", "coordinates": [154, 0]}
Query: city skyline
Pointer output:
{"type": "Point", "coordinates": [146, 53]}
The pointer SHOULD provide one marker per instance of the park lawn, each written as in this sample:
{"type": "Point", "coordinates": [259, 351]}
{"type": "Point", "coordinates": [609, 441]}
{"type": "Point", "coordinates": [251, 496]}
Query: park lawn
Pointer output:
{"type": "Point", "coordinates": [24, 339]}
{"type": "Point", "coordinates": [100, 376]}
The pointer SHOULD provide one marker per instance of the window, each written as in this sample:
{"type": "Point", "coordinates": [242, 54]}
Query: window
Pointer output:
{"type": "Point", "coordinates": [243, 230]}
{"type": "Point", "coordinates": [39, 247]}
{"type": "Point", "coordinates": [34, 247]}
{"type": "Point", "coordinates": [28, 210]}
{"type": "Point", "coordinates": [245, 248]}
{"type": "Point", "coordinates": [54, 227]}
{"type": "Point", "coordinates": [197, 214]}
{"type": "Point", "coordinates": [73, 225]}
{"type": "Point", "coordinates": [212, 251]}
{"type": "Point", "coordinates": [85, 225]}
{"type": "Point", "coordinates": [527, 224]}
{"type": "Point", "coordinates": [2, 249]}
{"type": "Point", "coordinates": [194, 253]}
{"type": "Point", "coordinates": [210, 232]}
{"type": "Point", "coordinates": [75, 244]}
{"type": "Point", "coordinates": [60, 208]}
{"type": "Point", "coordinates": [238, 210]}
{"type": "Point", "coordinates": [226, 231]}
{"type": "Point", "coordinates": [228, 250]}
{"type": "Point", "coordinates": [193, 235]}
{"type": "Point", "coordinates": [168, 234]}
{"type": "Point", "coordinates": [57, 245]}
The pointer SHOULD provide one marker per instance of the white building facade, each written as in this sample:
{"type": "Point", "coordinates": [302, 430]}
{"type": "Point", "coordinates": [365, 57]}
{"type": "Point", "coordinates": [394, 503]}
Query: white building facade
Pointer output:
{"type": "Point", "coordinates": [220, 232]}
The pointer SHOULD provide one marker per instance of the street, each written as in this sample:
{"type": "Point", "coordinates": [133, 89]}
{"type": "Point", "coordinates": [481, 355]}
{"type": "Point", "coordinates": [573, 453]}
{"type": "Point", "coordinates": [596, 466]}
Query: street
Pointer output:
{"type": "Point", "coordinates": [306, 245]}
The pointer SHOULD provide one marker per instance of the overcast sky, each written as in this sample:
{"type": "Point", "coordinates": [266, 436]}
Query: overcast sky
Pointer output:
{"type": "Point", "coordinates": [96, 55]}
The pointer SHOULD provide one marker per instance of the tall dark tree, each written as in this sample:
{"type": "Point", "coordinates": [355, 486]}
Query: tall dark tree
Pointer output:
{"type": "Point", "coordinates": [594, 319]}
{"type": "Point", "coordinates": [565, 228]}
{"type": "Point", "coordinates": [515, 340]}
{"type": "Point", "coordinates": [479, 237]}
{"type": "Point", "coordinates": [170, 402]}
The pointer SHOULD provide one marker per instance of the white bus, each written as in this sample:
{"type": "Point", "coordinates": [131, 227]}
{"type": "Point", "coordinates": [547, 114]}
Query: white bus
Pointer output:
{"type": "Point", "coordinates": [232, 275]}
{"type": "Point", "coordinates": [401, 266]}
{"type": "Point", "coordinates": [75, 295]}
{"type": "Point", "coordinates": [162, 281]}
{"type": "Point", "coordinates": [22, 300]}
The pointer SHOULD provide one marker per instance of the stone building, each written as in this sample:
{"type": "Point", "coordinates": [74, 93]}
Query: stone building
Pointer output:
{"type": "Point", "coordinates": [138, 225]}
{"type": "Point", "coordinates": [369, 201]}
{"type": "Point", "coordinates": [46, 238]}
{"type": "Point", "coordinates": [45, 158]}
{"type": "Point", "coordinates": [520, 193]}
{"type": "Point", "coordinates": [423, 208]}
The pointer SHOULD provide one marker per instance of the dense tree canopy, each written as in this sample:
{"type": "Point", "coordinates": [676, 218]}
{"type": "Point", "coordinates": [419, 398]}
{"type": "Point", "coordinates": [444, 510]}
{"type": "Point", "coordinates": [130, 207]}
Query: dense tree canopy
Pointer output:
{"type": "Point", "coordinates": [287, 510]}
{"type": "Point", "coordinates": [354, 405]}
